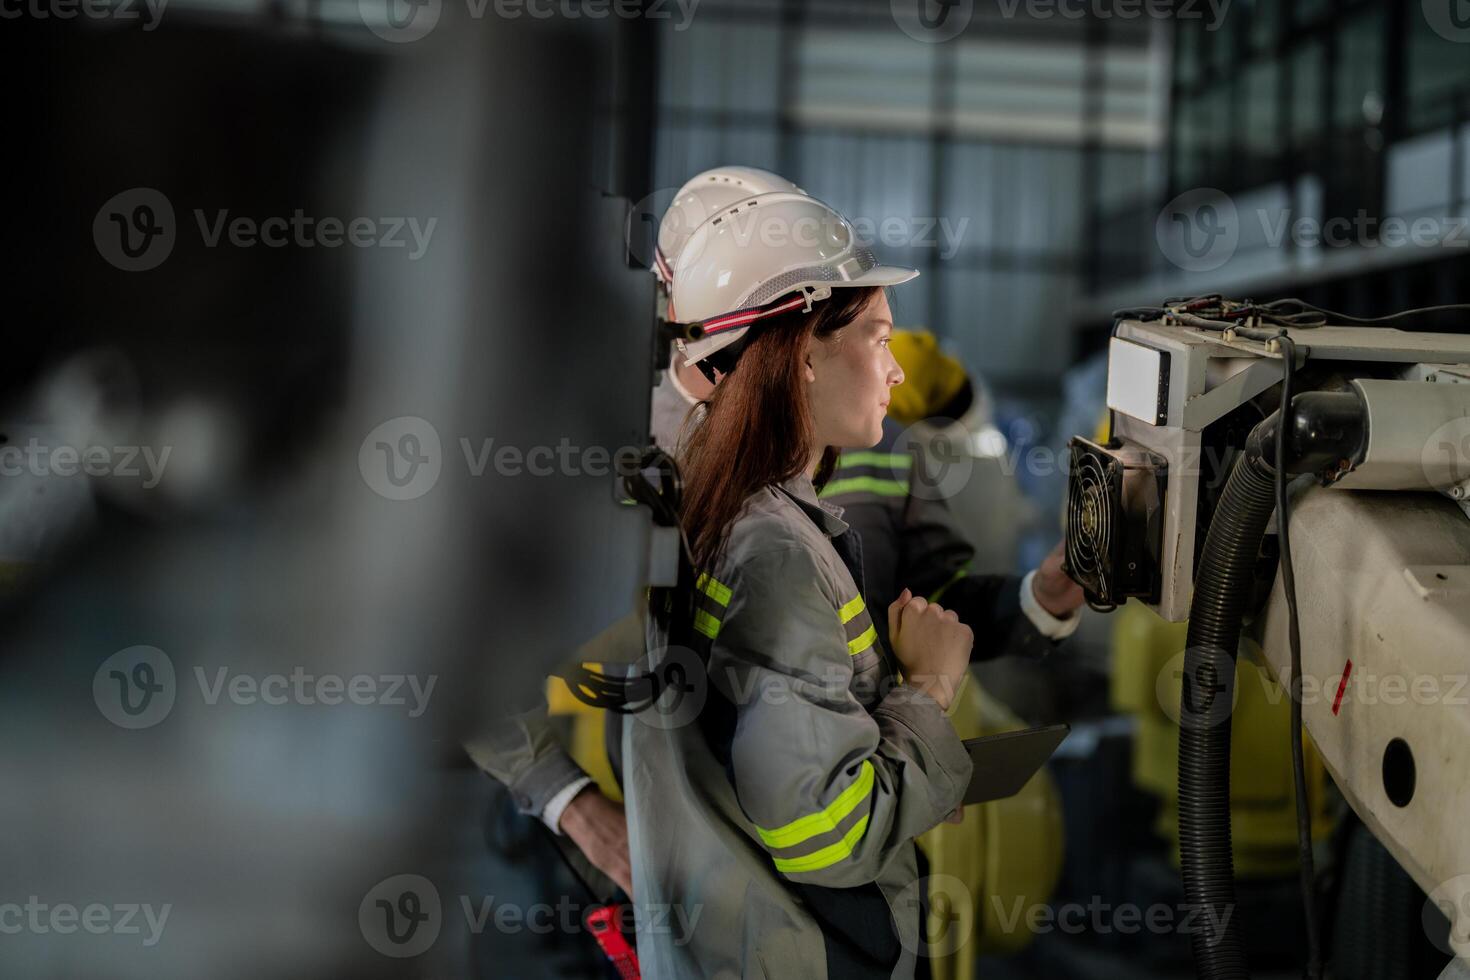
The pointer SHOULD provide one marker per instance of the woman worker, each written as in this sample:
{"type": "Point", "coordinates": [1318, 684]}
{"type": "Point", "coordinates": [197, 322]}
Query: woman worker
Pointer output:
{"type": "Point", "coordinates": [772, 832]}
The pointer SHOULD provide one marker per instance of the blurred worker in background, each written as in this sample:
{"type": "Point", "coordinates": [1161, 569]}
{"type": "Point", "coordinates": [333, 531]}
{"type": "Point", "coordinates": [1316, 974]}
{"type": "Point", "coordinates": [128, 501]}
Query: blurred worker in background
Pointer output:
{"type": "Point", "coordinates": [906, 496]}
{"type": "Point", "coordinates": [948, 417]}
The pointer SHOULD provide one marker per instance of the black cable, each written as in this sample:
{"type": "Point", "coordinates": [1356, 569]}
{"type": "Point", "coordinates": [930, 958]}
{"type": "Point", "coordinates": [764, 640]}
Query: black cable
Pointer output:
{"type": "Point", "coordinates": [1288, 582]}
{"type": "Point", "coordinates": [1360, 320]}
{"type": "Point", "coordinates": [1213, 311]}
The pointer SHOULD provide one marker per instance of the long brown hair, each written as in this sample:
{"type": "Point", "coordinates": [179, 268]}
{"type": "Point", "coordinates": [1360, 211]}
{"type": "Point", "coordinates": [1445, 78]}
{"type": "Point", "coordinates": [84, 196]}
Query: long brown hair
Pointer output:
{"type": "Point", "coordinates": [757, 426]}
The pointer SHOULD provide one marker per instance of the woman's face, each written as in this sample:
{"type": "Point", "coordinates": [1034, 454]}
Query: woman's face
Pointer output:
{"type": "Point", "coordinates": [850, 374]}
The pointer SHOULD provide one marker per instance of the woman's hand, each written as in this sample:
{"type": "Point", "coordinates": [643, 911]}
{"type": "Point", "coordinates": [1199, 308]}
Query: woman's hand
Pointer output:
{"type": "Point", "coordinates": [931, 644]}
{"type": "Point", "coordinates": [599, 827]}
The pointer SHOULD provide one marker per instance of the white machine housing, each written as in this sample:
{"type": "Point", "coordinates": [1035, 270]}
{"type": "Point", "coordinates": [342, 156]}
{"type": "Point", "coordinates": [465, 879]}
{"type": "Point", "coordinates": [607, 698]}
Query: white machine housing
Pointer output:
{"type": "Point", "coordinates": [1168, 383]}
{"type": "Point", "coordinates": [1382, 566]}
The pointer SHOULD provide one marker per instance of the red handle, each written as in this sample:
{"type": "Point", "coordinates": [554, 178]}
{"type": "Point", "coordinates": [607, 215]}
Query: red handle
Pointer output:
{"type": "Point", "coordinates": [604, 925]}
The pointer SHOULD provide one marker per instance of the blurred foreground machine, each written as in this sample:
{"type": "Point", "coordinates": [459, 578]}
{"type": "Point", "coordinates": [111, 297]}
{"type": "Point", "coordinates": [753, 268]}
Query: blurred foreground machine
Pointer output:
{"type": "Point", "coordinates": [1175, 511]}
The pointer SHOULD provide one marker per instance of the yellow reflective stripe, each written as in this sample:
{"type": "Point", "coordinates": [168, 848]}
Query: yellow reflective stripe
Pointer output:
{"type": "Point", "coordinates": [706, 624]}
{"type": "Point", "coordinates": [855, 647]}
{"type": "Point", "coordinates": [824, 820]}
{"type": "Point", "coordinates": [827, 856]}
{"type": "Point", "coordinates": [713, 588]}
{"type": "Point", "coordinates": [868, 458]}
{"type": "Point", "coordinates": [850, 609]}
{"type": "Point", "coordinates": [870, 484]}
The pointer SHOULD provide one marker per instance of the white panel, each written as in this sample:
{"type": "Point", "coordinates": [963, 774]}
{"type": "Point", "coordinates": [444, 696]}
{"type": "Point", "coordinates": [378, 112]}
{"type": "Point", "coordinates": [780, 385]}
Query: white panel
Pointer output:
{"type": "Point", "coordinates": [1134, 374]}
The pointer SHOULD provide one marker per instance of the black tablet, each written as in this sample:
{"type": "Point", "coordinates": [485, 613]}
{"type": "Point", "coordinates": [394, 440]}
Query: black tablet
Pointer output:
{"type": "Point", "coordinates": [1005, 762]}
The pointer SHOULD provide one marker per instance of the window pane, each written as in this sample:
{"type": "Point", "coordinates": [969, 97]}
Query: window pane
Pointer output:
{"type": "Point", "coordinates": [1359, 79]}
{"type": "Point", "coordinates": [1308, 66]}
{"type": "Point", "coordinates": [1261, 133]}
{"type": "Point", "coordinates": [1265, 18]}
{"type": "Point", "coordinates": [1189, 38]}
{"type": "Point", "coordinates": [1306, 12]}
{"type": "Point", "coordinates": [1436, 67]}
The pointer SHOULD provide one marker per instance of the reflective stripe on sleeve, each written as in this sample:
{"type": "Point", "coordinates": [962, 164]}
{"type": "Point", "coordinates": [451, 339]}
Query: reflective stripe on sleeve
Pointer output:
{"type": "Point", "coordinates": [709, 604]}
{"type": "Point", "coordinates": [827, 856]}
{"type": "Point", "coordinates": [821, 839]}
{"type": "Point", "coordinates": [858, 625]}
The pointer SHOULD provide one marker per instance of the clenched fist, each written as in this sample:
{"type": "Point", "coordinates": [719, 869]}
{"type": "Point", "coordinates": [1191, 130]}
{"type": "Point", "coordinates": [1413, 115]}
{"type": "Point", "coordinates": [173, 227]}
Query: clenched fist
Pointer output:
{"type": "Point", "coordinates": [932, 645]}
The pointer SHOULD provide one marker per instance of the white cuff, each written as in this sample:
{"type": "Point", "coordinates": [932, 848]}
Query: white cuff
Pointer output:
{"type": "Point", "coordinates": [556, 806]}
{"type": "Point", "coordinates": [1046, 624]}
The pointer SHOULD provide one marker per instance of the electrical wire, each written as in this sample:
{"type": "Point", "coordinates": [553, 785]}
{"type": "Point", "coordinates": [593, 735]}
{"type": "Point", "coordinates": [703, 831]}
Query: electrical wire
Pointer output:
{"type": "Point", "coordinates": [1308, 308]}
{"type": "Point", "coordinates": [1213, 311]}
{"type": "Point", "coordinates": [1288, 582]}
{"type": "Point", "coordinates": [624, 694]}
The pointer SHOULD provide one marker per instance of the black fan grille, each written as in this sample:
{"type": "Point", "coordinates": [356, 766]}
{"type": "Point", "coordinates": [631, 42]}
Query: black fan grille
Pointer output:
{"type": "Point", "coordinates": [1094, 507]}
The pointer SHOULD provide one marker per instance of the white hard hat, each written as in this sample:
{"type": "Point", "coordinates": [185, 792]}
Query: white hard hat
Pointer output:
{"type": "Point", "coordinates": [703, 195]}
{"type": "Point", "coordinates": [746, 262]}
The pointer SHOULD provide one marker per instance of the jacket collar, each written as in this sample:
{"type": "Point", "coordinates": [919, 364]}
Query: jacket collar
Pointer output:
{"type": "Point", "coordinates": [825, 515]}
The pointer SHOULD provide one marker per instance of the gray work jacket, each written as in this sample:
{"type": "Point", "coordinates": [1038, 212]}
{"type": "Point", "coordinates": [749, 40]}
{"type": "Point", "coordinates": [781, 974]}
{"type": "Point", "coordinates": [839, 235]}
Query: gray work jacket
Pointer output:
{"type": "Point", "coordinates": [796, 763]}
